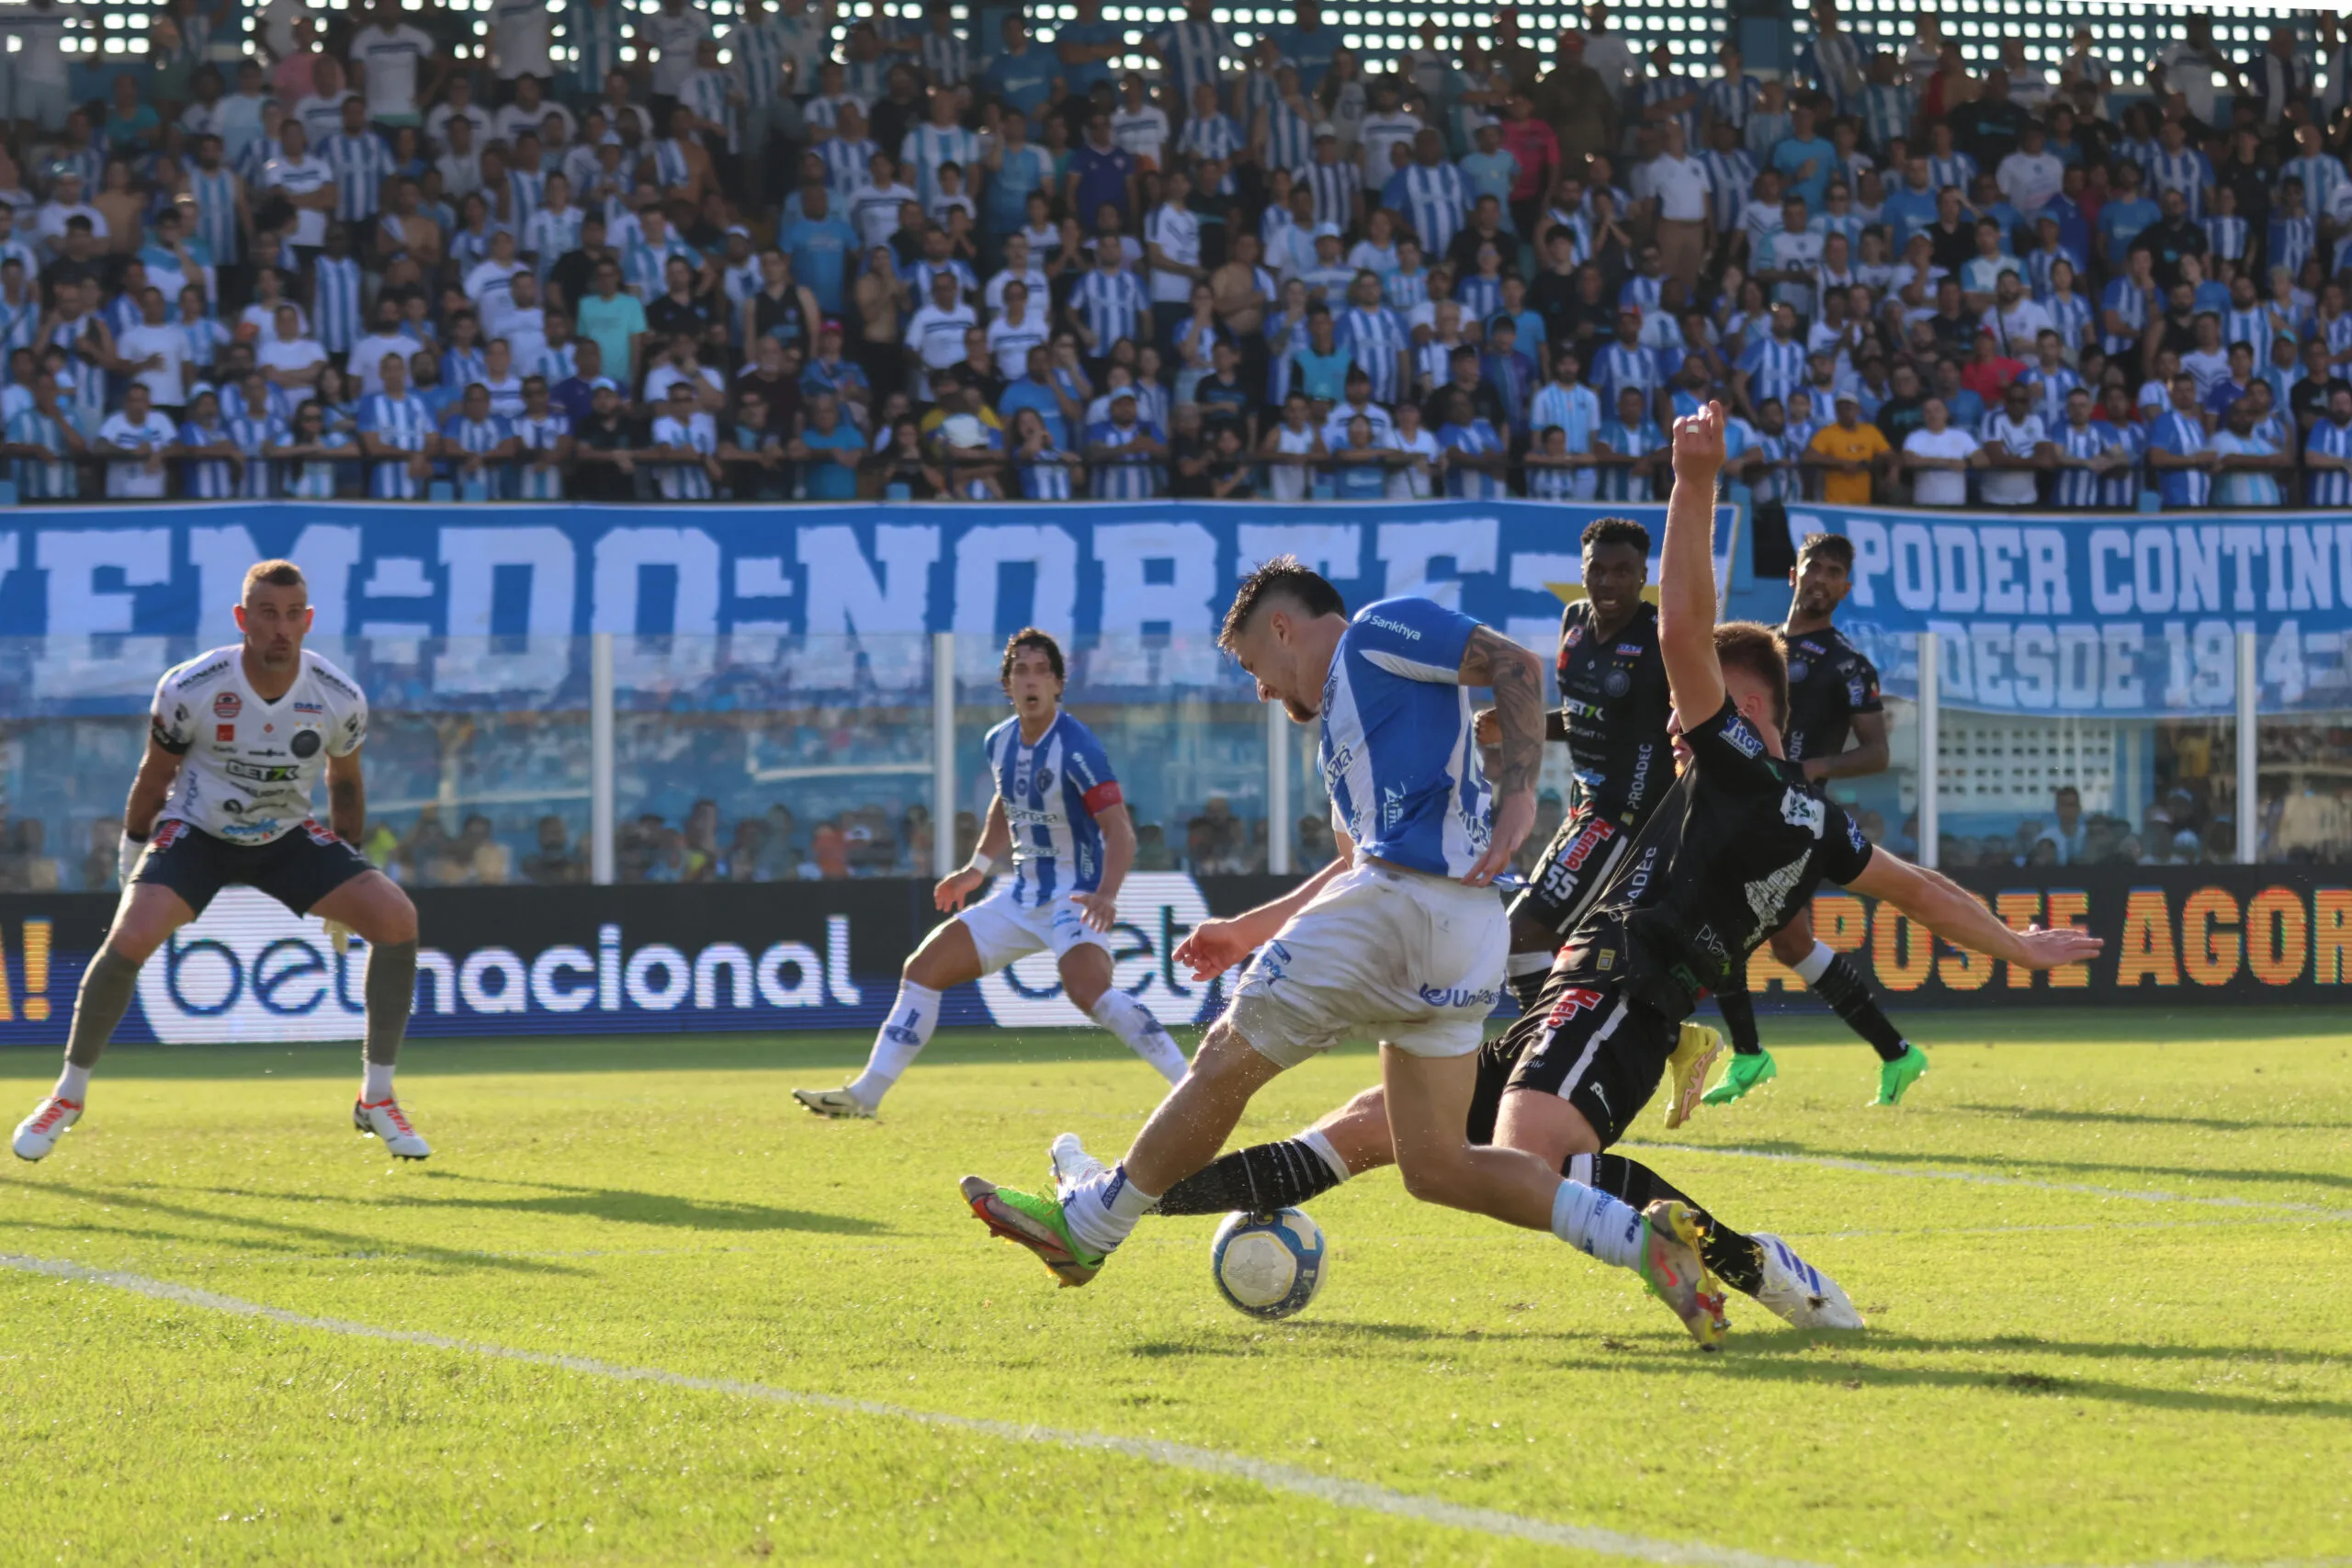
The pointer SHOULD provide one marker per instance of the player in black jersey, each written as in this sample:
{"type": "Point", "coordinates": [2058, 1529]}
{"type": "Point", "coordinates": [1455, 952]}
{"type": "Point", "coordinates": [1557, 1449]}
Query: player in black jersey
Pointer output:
{"type": "Point", "coordinates": [1833, 696]}
{"type": "Point", "coordinates": [1613, 713]}
{"type": "Point", "coordinates": [1738, 846]}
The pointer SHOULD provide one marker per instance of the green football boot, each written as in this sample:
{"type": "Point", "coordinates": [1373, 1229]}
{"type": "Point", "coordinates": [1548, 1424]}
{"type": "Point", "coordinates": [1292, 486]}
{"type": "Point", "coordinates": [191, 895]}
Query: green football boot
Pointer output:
{"type": "Point", "coordinates": [1743, 1072]}
{"type": "Point", "coordinates": [1027, 1220]}
{"type": "Point", "coordinates": [1895, 1078]}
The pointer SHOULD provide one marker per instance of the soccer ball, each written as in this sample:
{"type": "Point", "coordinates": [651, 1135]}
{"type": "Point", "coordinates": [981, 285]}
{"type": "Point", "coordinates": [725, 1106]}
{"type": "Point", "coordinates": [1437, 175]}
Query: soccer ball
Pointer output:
{"type": "Point", "coordinates": [1268, 1265]}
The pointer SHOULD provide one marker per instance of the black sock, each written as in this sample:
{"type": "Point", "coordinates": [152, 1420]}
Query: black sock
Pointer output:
{"type": "Point", "coordinates": [1732, 1255]}
{"type": "Point", "coordinates": [1253, 1180]}
{"type": "Point", "coordinates": [107, 988]}
{"type": "Point", "coordinates": [391, 991]}
{"type": "Point", "coordinates": [1739, 1021]}
{"type": "Point", "coordinates": [1843, 987]}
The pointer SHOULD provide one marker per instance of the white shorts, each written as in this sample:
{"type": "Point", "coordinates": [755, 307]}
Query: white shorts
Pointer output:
{"type": "Point", "coordinates": [1003, 930]}
{"type": "Point", "coordinates": [1413, 961]}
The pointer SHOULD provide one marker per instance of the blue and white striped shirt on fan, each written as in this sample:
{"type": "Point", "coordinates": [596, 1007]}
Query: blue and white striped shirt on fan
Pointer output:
{"type": "Point", "coordinates": [2071, 314]}
{"type": "Point", "coordinates": [1217, 136]}
{"type": "Point", "coordinates": [1661, 89]}
{"type": "Point", "coordinates": [527, 192]}
{"type": "Point", "coordinates": [36, 481]}
{"type": "Point", "coordinates": [760, 48]}
{"type": "Point", "coordinates": [1401, 290]}
{"type": "Point", "coordinates": [2050, 389]}
{"type": "Point", "coordinates": [2187, 171]}
{"type": "Point", "coordinates": [709, 93]}
{"type": "Point", "coordinates": [848, 164]}
{"type": "Point", "coordinates": [335, 302]}
{"type": "Point", "coordinates": [533, 484]}
{"type": "Point", "coordinates": [2330, 487]}
{"type": "Point", "coordinates": [1193, 52]}
{"type": "Point", "coordinates": [1335, 186]}
{"type": "Point", "coordinates": [1396, 750]}
{"type": "Point", "coordinates": [404, 424]}
{"type": "Point", "coordinates": [1959, 169]}
{"type": "Point", "coordinates": [1731, 178]}
{"type": "Point", "coordinates": [595, 34]}
{"type": "Point", "coordinates": [2119, 488]}
{"type": "Point", "coordinates": [1290, 138]}
{"type": "Point", "coordinates": [1376, 338]}
{"type": "Point", "coordinates": [1119, 478]}
{"type": "Point", "coordinates": [928, 147]}
{"type": "Point", "coordinates": [2292, 241]}
{"type": "Point", "coordinates": [361, 163]}
{"type": "Point", "coordinates": [1729, 100]}
{"type": "Point", "coordinates": [1047, 479]}
{"type": "Point", "coordinates": [1052, 790]}
{"type": "Point", "coordinates": [2226, 236]}
{"type": "Point", "coordinates": [2248, 327]}
{"type": "Point", "coordinates": [216, 212]}
{"type": "Point", "coordinates": [1433, 200]}
{"type": "Point", "coordinates": [550, 235]}
{"type": "Point", "coordinates": [2131, 304]}
{"type": "Point", "coordinates": [205, 478]}
{"type": "Point", "coordinates": [251, 436]}
{"type": "Point", "coordinates": [1110, 303]}
{"type": "Point", "coordinates": [2079, 486]}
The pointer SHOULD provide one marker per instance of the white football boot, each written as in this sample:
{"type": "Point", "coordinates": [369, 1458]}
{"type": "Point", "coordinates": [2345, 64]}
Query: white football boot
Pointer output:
{"type": "Point", "coordinates": [1073, 1166]}
{"type": "Point", "coordinates": [836, 1103]}
{"type": "Point", "coordinates": [38, 1134]}
{"type": "Point", "coordinates": [385, 1120]}
{"type": "Point", "coordinates": [1798, 1292]}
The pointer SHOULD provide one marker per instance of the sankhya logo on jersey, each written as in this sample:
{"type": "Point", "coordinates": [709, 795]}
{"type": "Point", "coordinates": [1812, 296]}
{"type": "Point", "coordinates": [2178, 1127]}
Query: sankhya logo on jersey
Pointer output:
{"type": "Point", "coordinates": [1399, 628]}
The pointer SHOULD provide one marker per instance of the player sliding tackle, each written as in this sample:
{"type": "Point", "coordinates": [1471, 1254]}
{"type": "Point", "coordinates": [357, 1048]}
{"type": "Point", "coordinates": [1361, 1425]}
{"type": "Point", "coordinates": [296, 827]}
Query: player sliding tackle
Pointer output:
{"type": "Point", "coordinates": [1060, 815]}
{"type": "Point", "coordinates": [1739, 844]}
{"type": "Point", "coordinates": [1401, 937]}
{"type": "Point", "coordinates": [238, 738]}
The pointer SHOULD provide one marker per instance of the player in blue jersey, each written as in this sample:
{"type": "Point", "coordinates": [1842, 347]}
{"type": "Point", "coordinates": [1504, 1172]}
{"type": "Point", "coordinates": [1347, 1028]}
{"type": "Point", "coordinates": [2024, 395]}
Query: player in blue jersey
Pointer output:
{"type": "Point", "coordinates": [1401, 937]}
{"type": "Point", "coordinates": [1059, 815]}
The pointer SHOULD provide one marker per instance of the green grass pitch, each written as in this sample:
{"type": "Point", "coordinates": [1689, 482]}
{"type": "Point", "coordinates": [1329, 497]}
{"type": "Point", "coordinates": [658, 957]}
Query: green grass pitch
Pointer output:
{"type": "Point", "coordinates": [2105, 1257]}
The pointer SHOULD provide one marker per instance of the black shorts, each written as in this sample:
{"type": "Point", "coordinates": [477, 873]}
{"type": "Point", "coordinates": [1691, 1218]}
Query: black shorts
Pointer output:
{"type": "Point", "coordinates": [1591, 1044]}
{"type": "Point", "coordinates": [1577, 864]}
{"type": "Point", "coordinates": [298, 869]}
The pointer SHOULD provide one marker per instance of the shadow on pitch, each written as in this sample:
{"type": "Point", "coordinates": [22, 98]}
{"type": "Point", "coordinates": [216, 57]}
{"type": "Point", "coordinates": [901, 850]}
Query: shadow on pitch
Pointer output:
{"type": "Point", "coordinates": [2136, 1118]}
{"type": "Point", "coordinates": [1791, 1357]}
{"type": "Point", "coordinates": [619, 1205]}
{"type": "Point", "coordinates": [2010, 1165]}
{"type": "Point", "coordinates": [143, 1201]}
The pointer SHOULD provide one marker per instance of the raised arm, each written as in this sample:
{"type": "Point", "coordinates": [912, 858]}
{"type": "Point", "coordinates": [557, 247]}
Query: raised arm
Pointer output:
{"type": "Point", "coordinates": [1685, 606]}
{"type": "Point", "coordinates": [1216, 945]}
{"type": "Point", "coordinates": [1517, 677]}
{"type": "Point", "coordinates": [1947, 910]}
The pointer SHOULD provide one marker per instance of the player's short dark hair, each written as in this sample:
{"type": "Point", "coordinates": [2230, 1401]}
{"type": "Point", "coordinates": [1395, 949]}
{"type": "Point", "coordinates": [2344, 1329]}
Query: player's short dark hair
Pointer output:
{"type": "Point", "coordinates": [1754, 648]}
{"type": "Point", "coordinates": [1829, 546]}
{"type": "Point", "coordinates": [1038, 639]}
{"type": "Point", "coordinates": [1284, 577]}
{"type": "Point", "coordinates": [276, 573]}
{"type": "Point", "coordinates": [1617, 531]}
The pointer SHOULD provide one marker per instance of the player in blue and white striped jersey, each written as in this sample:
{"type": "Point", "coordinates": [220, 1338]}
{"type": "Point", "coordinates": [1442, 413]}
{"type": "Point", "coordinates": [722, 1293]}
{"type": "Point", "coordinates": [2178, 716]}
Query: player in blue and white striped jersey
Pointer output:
{"type": "Point", "coordinates": [2327, 454]}
{"type": "Point", "coordinates": [1059, 818]}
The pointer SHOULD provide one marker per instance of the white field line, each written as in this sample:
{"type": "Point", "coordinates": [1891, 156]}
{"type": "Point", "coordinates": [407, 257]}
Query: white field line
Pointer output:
{"type": "Point", "coordinates": [1361, 1496]}
{"type": "Point", "coordinates": [1982, 1178]}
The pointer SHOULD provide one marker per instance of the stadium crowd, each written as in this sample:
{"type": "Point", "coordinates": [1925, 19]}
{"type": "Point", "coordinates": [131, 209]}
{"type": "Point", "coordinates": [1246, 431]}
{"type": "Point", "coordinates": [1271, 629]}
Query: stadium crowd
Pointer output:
{"type": "Point", "coordinates": [795, 257]}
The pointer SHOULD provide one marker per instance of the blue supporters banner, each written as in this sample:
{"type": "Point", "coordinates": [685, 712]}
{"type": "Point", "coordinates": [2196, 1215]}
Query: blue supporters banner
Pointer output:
{"type": "Point", "coordinates": [127, 588]}
{"type": "Point", "coordinates": [2114, 616]}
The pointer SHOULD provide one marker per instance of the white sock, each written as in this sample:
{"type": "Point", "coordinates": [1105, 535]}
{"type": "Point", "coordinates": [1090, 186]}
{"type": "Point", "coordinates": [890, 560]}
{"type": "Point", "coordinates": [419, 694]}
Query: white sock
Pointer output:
{"type": "Point", "coordinates": [73, 1084]}
{"type": "Point", "coordinates": [1103, 1210]}
{"type": "Point", "coordinates": [375, 1082]}
{"type": "Point", "coordinates": [1144, 1035]}
{"type": "Point", "coordinates": [1815, 965]}
{"type": "Point", "coordinates": [1314, 1139]}
{"type": "Point", "coordinates": [901, 1040]}
{"type": "Point", "coordinates": [1594, 1222]}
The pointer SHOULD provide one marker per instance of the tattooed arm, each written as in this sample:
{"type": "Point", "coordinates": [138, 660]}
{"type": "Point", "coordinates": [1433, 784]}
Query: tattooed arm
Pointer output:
{"type": "Point", "coordinates": [1517, 677]}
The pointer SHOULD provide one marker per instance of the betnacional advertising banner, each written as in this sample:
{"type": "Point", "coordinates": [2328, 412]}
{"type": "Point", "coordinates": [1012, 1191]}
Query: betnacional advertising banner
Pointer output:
{"type": "Point", "coordinates": [678, 959]}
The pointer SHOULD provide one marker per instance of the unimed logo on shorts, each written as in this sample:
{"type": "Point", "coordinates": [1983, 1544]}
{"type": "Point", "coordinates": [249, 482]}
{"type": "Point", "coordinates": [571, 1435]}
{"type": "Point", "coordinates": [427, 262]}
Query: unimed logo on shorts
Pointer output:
{"type": "Point", "coordinates": [1157, 908]}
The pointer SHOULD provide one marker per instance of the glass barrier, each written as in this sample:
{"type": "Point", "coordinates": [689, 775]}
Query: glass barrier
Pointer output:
{"type": "Point", "coordinates": [2303, 783]}
{"type": "Point", "coordinates": [773, 758]}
